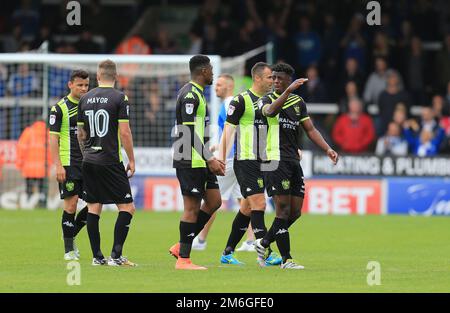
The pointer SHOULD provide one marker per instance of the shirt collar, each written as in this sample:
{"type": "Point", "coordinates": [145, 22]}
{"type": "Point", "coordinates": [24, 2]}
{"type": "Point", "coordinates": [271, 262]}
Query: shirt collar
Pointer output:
{"type": "Point", "coordinates": [71, 99]}
{"type": "Point", "coordinates": [196, 85]}
{"type": "Point", "coordinates": [228, 99]}
{"type": "Point", "coordinates": [255, 93]}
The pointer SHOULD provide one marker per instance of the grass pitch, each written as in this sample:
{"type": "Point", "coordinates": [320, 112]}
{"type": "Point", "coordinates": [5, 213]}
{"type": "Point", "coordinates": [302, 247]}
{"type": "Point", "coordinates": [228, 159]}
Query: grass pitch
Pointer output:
{"type": "Point", "coordinates": [413, 253]}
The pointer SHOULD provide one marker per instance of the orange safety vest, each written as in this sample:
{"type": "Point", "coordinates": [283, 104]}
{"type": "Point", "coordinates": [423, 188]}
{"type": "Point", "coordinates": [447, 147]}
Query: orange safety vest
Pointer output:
{"type": "Point", "coordinates": [31, 150]}
{"type": "Point", "coordinates": [1, 165]}
{"type": "Point", "coordinates": [132, 45]}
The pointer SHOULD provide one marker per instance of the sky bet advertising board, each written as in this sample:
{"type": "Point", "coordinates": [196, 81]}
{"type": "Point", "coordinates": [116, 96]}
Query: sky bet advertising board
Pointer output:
{"type": "Point", "coordinates": [424, 196]}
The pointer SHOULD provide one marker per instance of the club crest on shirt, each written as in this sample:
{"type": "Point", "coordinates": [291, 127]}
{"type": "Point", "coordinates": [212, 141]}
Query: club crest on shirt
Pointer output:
{"type": "Point", "coordinates": [52, 119]}
{"type": "Point", "coordinates": [260, 104]}
{"type": "Point", "coordinates": [231, 109]}
{"type": "Point", "coordinates": [189, 108]}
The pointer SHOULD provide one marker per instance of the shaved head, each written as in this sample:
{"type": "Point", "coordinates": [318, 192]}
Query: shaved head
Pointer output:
{"type": "Point", "coordinates": [224, 86]}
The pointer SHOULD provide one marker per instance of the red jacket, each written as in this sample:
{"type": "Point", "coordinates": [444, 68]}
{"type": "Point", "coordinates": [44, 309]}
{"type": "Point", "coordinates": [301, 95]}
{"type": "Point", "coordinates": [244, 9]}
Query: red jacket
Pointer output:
{"type": "Point", "coordinates": [354, 136]}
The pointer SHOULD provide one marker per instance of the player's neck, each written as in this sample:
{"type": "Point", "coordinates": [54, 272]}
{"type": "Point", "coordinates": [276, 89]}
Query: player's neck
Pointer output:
{"type": "Point", "coordinates": [198, 82]}
{"type": "Point", "coordinates": [72, 98]}
{"type": "Point", "coordinates": [278, 93]}
{"type": "Point", "coordinates": [226, 97]}
{"type": "Point", "coordinates": [257, 91]}
{"type": "Point", "coordinates": [106, 84]}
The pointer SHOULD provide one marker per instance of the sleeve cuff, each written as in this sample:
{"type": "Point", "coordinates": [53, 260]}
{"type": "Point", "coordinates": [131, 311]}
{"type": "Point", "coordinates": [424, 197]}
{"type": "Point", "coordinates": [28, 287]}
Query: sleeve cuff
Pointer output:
{"type": "Point", "coordinates": [124, 121]}
{"type": "Point", "coordinates": [80, 123]}
{"type": "Point", "coordinates": [188, 123]}
{"type": "Point", "coordinates": [262, 109]}
{"type": "Point", "coordinates": [304, 119]}
{"type": "Point", "coordinates": [207, 155]}
{"type": "Point", "coordinates": [54, 133]}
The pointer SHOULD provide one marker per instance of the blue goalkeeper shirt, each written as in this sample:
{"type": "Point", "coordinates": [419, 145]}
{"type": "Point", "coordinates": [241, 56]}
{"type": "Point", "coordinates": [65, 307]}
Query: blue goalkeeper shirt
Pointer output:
{"type": "Point", "coordinates": [221, 121]}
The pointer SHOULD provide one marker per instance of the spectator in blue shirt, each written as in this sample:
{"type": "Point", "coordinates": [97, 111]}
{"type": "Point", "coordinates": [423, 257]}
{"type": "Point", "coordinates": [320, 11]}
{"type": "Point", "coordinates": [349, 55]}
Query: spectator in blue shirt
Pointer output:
{"type": "Point", "coordinates": [307, 44]}
{"type": "Point", "coordinates": [58, 78]}
{"type": "Point", "coordinates": [23, 82]}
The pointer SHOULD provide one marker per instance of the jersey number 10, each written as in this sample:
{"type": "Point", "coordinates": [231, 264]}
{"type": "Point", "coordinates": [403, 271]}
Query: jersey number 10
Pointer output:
{"type": "Point", "coordinates": [96, 125]}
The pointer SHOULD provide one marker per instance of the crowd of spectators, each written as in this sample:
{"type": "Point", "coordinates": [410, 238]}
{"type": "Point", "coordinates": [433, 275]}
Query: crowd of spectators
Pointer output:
{"type": "Point", "coordinates": [396, 66]}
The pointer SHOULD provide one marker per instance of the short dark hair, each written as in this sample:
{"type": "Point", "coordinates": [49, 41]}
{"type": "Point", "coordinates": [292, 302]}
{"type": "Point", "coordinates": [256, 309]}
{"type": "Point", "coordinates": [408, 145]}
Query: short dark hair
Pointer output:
{"type": "Point", "coordinates": [258, 68]}
{"type": "Point", "coordinates": [78, 73]}
{"type": "Point", "coordinates": [197, 62]}
{"type": "Point", "coordinates": [283, 68]}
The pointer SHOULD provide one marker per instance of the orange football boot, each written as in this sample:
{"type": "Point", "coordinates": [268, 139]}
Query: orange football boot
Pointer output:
{"type": "Point", "coordinates": [186, 264]}
{"type": "Point", "coordinates": [175, 250]}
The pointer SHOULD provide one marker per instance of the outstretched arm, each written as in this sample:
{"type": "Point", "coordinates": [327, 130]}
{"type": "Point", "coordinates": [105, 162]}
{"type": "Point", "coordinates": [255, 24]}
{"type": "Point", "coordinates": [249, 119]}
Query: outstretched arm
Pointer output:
{"type": "Point", "coordinates": [274, 108]}
{"type": "Point", "coordinates": [317, 138]}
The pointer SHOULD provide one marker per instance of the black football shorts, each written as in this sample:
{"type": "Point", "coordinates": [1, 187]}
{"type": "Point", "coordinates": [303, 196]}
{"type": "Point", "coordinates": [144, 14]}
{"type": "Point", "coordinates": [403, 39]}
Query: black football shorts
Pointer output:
{"type": "Point", "coordinates": [249, 177]}
{"type": "Point", "coordinates": [286, 179]}
{"type": "Point", "coordinates": [73, 184]}
{"type": "Point", "coordinates": [194, 181]}
{"type": "Point", "coordinates": [106, 184]}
